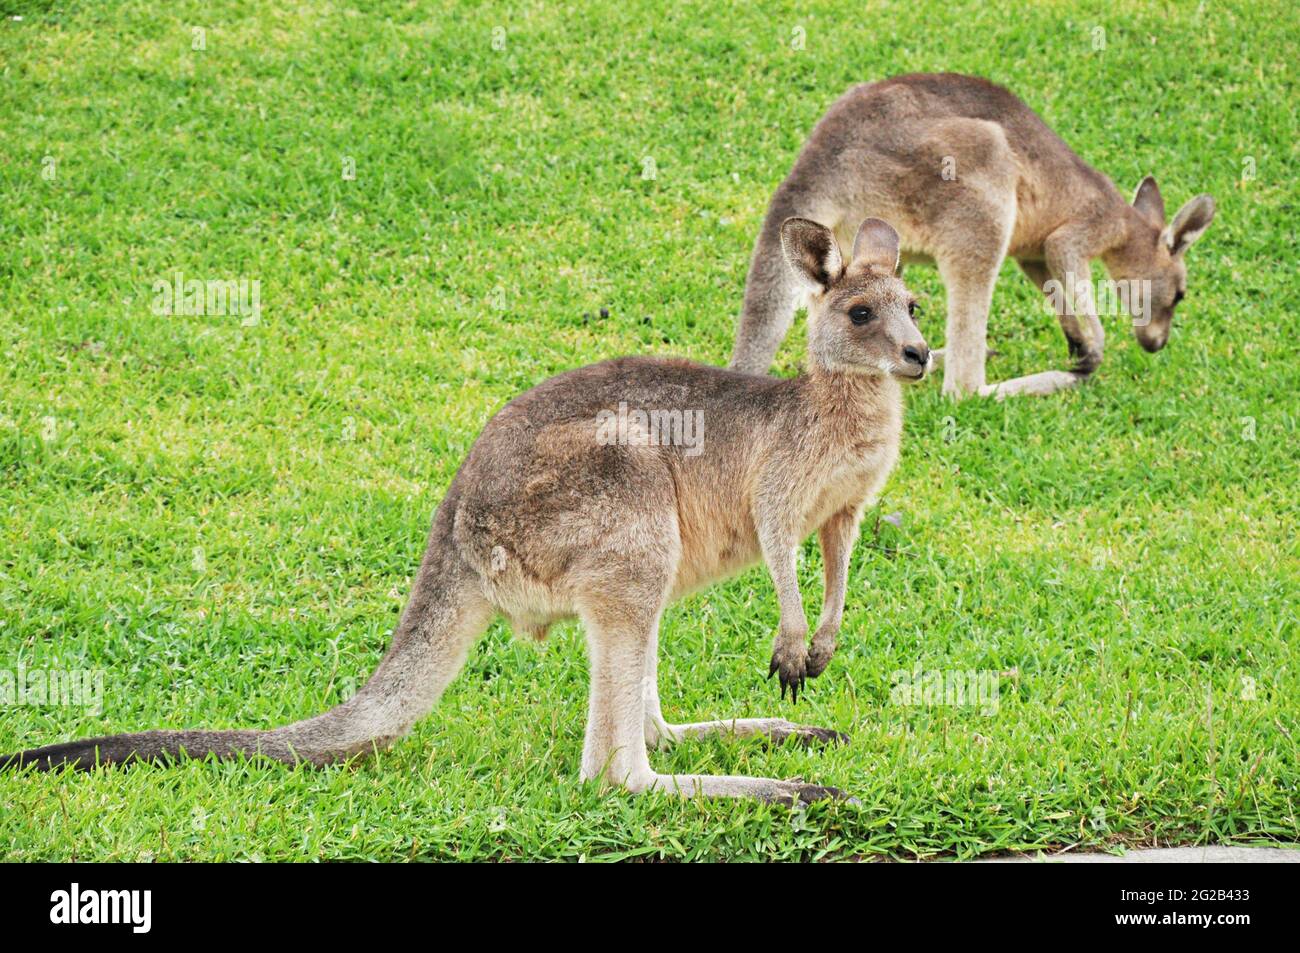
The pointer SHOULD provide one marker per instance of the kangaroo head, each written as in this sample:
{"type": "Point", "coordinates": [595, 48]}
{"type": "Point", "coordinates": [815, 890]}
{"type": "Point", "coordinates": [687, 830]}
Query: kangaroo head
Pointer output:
{"type": "Point", "coordinates": [860, 315]}
{"type": "Point", "coordinates": [1154, 253]}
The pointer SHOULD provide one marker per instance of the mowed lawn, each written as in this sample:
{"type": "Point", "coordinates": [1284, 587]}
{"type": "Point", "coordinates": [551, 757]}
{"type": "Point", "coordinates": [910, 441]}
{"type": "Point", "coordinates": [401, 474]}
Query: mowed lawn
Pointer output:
{"type": "Point", "coordinates": [222, 515]}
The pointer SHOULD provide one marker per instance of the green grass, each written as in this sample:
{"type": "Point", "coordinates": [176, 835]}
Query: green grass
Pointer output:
{"type": "Point", "coordinates": [1125, 552]}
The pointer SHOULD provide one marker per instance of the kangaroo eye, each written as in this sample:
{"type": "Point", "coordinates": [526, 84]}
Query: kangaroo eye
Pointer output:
{"type": "Point", "coordinates": [1179, 296]}
{"type": "Point", "coordinates": [860, 314]}
{"type": "Point", "coordinates": [913, 309]}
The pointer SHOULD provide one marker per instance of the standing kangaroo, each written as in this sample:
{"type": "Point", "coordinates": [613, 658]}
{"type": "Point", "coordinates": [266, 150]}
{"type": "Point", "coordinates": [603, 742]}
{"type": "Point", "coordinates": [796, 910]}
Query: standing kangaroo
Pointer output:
{"type": "Point", "coordinates": [544, 521]}
{"type": "Point", "coordinates": [969, 174]}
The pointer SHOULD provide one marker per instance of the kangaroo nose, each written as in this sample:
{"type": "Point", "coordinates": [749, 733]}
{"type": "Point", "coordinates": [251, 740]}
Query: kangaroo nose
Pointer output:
{"type": "Point", "coordinates": [916, 355]}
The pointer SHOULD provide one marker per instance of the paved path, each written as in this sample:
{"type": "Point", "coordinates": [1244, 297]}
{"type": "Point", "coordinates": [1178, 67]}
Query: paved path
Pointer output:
{"type": "Point", "coordinates": [1165, 855]}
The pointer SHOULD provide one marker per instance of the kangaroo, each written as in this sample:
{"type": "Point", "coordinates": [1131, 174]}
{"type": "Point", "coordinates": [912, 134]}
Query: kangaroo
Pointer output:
{"type": "Point", "coordinates": [969, 174]}
{"type": "Point", "coordinates": [544, 521]}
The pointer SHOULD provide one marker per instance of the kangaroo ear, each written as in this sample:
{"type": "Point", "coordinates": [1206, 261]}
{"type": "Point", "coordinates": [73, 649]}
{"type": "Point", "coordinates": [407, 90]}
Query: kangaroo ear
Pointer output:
{"type": "Point", "coordinates": [1189, 224]}
{"type": "Point", "coordinates": [1149, 202]}
{"type": "Point", "coordinates": [877, 245]}
{"type": "Point", "coordinates": [811, 251]}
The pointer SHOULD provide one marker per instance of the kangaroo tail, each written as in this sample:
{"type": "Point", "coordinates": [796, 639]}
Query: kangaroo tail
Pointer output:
{"type": "Point", "coordinates": [771, 289]}
{"type": "Point", "coordinates": [444, 616]}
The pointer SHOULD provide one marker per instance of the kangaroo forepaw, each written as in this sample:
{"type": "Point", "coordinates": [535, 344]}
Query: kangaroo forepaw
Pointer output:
{"type": "Point", "coordinates": [820, 655]}
{"type": "Point", "coordinates": [790, 661]}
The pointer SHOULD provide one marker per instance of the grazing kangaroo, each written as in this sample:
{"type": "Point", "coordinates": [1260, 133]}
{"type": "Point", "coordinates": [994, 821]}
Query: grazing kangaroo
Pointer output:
{"type": "Point", "coordinates": [969, 174]}
{"type": "Point", "coordinates": [545, 520]}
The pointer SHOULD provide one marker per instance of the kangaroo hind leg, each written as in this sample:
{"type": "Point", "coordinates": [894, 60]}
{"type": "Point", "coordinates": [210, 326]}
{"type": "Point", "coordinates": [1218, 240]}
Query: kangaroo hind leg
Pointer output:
{"type": "Point", "coordinates": [619, 637]}
{"type": "Point", "coordinates": [1077, 336]}
{"type": "Point", "coordinates": [659, 733]}
{"type": "Point", "coordinates": [969, 284]}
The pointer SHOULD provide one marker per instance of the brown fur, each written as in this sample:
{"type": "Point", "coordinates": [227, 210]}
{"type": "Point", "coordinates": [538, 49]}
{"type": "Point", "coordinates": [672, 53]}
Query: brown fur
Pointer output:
{"type": "Point", "coordinates": [544, 522]}
{"type": "Point", "coordinates": [1015, 189]}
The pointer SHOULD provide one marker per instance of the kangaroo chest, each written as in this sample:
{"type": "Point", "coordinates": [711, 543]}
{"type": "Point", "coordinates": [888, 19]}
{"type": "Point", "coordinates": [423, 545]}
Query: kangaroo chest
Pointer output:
{"type": "Point", "coordinates": [851, 483]}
